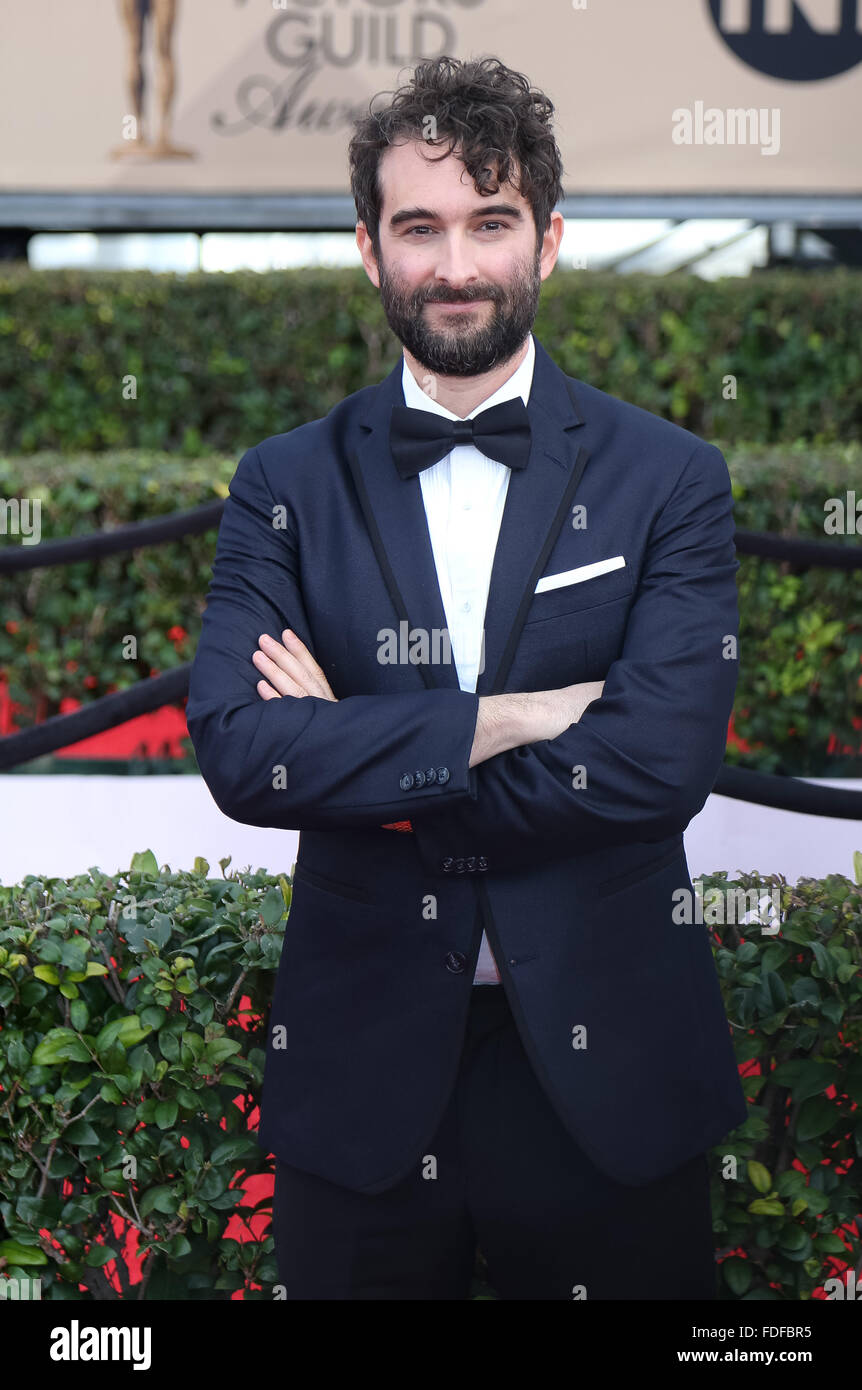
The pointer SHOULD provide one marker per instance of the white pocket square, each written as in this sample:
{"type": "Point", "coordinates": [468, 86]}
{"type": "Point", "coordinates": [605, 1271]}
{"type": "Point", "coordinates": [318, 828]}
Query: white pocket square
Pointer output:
{"type": "Point", "coordinates": [575, 576]}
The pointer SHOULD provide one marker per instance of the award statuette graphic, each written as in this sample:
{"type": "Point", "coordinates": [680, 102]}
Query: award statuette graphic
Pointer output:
{"type": "Point", "coordinates": [134, 14]}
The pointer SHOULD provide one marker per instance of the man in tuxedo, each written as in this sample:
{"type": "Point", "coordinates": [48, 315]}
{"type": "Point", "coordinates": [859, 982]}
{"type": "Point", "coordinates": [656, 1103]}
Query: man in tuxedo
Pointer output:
{"type": "Point", "coordinates": [473, 635]}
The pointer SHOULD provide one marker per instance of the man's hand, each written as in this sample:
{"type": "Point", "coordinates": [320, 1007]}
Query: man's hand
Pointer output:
{"type": "Point", "coordinates": [291, 669]}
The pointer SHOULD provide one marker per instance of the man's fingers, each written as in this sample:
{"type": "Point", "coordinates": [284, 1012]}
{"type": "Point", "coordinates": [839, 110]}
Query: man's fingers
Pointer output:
{"type": "Point", "coordinates": [266, 692]}
{"type": "Point", "coordinates": [276, 676]}
{"type": "Point", "coordinates": [299, 665]}
{"type": "Point", "coordinates": [296, 647]}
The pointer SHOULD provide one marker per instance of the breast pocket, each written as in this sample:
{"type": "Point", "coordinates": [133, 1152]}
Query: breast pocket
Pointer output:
{"type": "Point", "coordinates": [573, 633]}
{"type": "Point", "coordinates": [575, 597]}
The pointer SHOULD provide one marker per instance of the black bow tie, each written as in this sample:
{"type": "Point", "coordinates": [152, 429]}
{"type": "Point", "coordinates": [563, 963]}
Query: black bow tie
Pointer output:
{"type": "Point", "coordinates": [420, 438]}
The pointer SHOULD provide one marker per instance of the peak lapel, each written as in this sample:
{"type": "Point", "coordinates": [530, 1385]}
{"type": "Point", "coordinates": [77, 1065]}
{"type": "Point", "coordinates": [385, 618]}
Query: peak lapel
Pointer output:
{"type": "Point", "coordinates": [395, 516]}
{"type": "Point", "coordinates": [538, 500]}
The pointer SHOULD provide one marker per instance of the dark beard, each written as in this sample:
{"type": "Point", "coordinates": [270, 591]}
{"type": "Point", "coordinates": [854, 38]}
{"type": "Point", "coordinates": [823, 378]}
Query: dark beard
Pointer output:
{"type": "Point", "coordinates": [464, 349]}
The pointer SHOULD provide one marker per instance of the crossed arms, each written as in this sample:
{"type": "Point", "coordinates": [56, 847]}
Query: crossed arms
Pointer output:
{"type": "Point", "coordinates": [649, 748]}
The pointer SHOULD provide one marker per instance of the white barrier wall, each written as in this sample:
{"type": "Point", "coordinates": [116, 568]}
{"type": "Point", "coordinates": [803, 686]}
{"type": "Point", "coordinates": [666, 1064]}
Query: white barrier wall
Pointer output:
{"type": "Point", "coordinates": [60, 826]}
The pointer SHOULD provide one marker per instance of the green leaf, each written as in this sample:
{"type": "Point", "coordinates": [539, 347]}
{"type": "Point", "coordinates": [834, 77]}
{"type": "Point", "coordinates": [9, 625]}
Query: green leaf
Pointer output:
{"type": "Point", "coordinates": [825, 960]}
{"type": "Point", "coordinates": [759, 1176]}
{"type": "Point", "coordinates": [22, 1254]}
{"type": "Point", "coordinates": [152, 1017]}
{"type": "Point", "coordinates": [95, 967]}
{"type": "Point", "coordinates": [816, 1117]}
{"type": "Point", "coordinates": [126, 1030]}
{"type": "Point", "coordinates": [99, 1255]}
{"type": "Point", "coordinates": [793, 1238]}
{"type": "Point", "coordinates": [166, 1113]}
{"type": "Point", "coordinates": [272, 906]}
{"type": "Point", "coordinates": [79, 1015]}
{"type": "Point", "coordinates": [46, 973]}
{"type": "Point", "coordinates": [162, 1199]}
{"type": "Point", "coordinates": [737, 1274]}
{"type": "Point", "coordinates": [60, 1045]}
{"type": "Point", "coordinates": [766, 1206]}
{"type": "Point", "coordinates": [231, 1149]}
{"type": "Point", "coordinates": [144, 862]}
{"type": "Point", "coordinates": [830, 1244]}
{"type": "Point", "coordinates": [82, 1132]}
{"type": "Point", "coordinates": [805, 1076]}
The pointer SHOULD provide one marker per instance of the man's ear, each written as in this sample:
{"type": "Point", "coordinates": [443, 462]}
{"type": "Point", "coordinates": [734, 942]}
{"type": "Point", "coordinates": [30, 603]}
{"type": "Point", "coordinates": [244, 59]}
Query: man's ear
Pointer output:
{"type": "Point", "coordinates": [366, 251]}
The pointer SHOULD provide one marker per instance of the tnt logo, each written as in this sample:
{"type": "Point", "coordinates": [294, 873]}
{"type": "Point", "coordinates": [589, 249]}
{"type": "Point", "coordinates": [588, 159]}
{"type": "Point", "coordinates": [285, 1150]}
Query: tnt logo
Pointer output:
{"type": "Point", "coordinates": [796, 40]}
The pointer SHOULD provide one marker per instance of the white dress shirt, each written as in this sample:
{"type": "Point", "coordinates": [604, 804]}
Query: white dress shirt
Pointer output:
{"type": "Point", "coordinates": [464, 496]}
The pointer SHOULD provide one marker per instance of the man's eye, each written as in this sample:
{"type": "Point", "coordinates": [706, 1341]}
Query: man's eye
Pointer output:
{"type": "Point", "coordinates": [502, 225]}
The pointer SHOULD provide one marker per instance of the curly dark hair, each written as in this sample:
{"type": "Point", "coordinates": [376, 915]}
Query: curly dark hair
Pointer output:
{"type": "Point", "coordinates": [486, 109]}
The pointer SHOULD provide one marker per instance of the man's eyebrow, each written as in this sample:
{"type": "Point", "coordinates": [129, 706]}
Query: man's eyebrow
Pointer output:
{"type": "Point", "coordinates": [428, 215]}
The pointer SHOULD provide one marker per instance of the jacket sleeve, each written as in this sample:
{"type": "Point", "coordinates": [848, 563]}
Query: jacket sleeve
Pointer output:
{"type": "Point", "coordinates": [644, 756]}
{"type": "Point", "coordinates": [304, 762]}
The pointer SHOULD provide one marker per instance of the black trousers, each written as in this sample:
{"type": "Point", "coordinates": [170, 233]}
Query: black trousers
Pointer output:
{"type": "Point", "coordinates": [501, 1172]}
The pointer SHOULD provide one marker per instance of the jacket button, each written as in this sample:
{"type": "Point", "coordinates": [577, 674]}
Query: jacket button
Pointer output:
{"type": "Point", "coordinates": [442, 775]}
{"type": "Point", "coordinates": [419, 779]}
{"type": "Point", "coordinates": [482, 863]}
{"type": "Point", "coordinates": [430, 775]}
{"type": "Point", "coordinates": [471, 864]}
{"type": "Point", "coordinates": [446, 865]}
{"type": "Point", "coordinates": [459, 866]}
{"type": "Point", "coordinates": [406, 782]}
{"type": "Point", "coordinates": [455, 961]}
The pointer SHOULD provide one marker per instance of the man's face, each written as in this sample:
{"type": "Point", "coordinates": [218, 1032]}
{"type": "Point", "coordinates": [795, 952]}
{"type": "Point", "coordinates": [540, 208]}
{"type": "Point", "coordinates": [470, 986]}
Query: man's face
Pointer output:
{"type": "Point", "coordinates": [442, 244]}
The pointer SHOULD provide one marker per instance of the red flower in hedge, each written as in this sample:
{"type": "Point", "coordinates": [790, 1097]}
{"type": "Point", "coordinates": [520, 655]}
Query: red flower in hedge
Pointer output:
{"type": "Point", "coordinates": [12, 626]}
{"type": "Point", "coordinates": [177, 634]}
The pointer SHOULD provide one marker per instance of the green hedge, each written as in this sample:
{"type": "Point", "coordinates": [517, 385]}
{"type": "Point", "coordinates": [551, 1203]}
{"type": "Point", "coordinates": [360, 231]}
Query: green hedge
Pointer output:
{"type": "Point", "coordinates": [130, 1067]}
{"type": "Point", "coordinates": [63, 632]}
{"type": "Point", "coordinates": [222, 360]}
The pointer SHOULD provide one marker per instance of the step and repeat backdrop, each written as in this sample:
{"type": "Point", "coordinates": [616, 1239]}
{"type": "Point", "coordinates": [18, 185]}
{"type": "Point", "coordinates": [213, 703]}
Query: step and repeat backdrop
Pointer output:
{"type": "Point", "coordinates": [226, 96]}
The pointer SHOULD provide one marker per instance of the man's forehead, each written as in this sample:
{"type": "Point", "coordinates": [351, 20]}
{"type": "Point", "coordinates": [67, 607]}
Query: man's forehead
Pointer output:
{"type": "Point", "coordinates": [411, 165]}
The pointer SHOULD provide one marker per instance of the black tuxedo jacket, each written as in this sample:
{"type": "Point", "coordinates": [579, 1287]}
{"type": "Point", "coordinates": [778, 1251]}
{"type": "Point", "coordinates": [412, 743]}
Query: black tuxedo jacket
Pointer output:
{"type": "Point", "coordinates": [567, 851]}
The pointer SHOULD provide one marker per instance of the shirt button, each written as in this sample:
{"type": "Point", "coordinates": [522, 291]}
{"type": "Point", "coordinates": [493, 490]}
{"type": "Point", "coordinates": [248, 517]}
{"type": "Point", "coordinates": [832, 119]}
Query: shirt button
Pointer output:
{"type": "Point", "coordinates": [465, 607]}
{"type": "Point", "coordinates": [455, 961]}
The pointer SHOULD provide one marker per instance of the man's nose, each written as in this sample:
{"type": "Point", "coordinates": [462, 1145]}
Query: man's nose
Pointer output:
{"type": "Point", "coordinates": [456, 263]}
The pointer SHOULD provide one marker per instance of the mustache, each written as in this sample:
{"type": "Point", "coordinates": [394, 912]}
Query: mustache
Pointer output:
{"type": "Point", "coordinates": [449, 298]}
